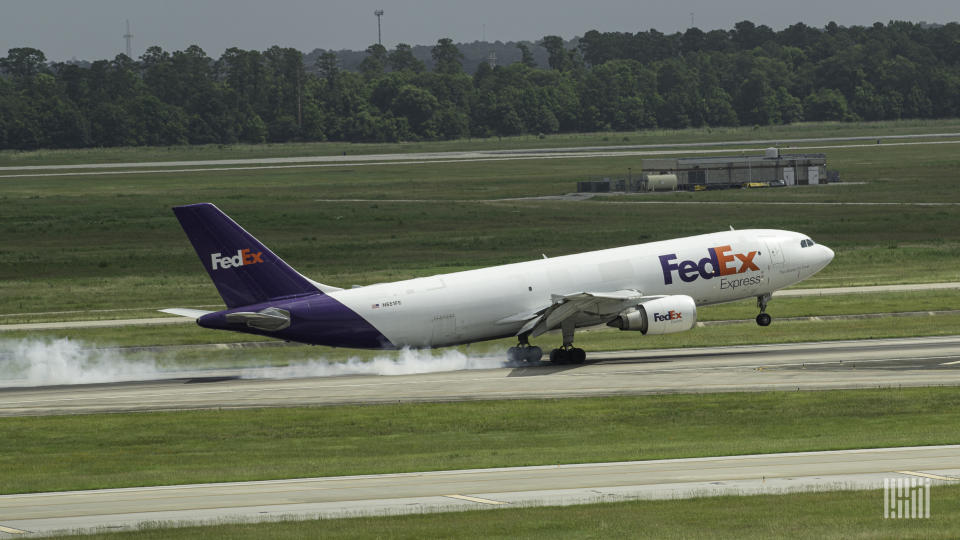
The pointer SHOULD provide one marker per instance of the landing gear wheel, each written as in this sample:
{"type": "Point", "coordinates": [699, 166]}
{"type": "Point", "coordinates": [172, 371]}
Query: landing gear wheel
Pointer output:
{"type": "Point", "coordinates": [525, 353]}
{"type": "Point", "coordinates": [568, 356]}
{"type": "Point", "coordinates": [764, 319]}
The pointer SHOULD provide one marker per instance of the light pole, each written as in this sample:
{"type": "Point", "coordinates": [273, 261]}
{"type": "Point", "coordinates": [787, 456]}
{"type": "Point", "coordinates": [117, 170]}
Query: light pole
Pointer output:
{"type": "Point", "coordinates": [378, 13]}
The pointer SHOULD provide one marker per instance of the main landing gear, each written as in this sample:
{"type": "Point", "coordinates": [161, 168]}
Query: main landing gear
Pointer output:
{"type": "Point", "coordinates": [524, 352]}
{"type": "Point", "coordinates": [764, 318]}
{"type": "Point", "coordinates": [567, 353]}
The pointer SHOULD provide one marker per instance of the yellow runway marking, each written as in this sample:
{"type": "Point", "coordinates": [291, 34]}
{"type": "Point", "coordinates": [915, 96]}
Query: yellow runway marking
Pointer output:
{"type": "Point", "coordinates": [11, 530]}
{"type": "Point", "coordinates": [474, 499]}
{"type": "Point", "coordinates": [928, 475]}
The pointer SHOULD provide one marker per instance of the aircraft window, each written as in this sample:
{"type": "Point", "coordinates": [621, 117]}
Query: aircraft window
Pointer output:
{"type": "Point", "coordinates": [806, 242]}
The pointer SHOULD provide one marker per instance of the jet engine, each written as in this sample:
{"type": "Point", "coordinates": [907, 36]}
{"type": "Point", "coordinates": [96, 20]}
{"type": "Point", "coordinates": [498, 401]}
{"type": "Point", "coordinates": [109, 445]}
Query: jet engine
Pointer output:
{"type": "Point", "coordinates": [676, 313]}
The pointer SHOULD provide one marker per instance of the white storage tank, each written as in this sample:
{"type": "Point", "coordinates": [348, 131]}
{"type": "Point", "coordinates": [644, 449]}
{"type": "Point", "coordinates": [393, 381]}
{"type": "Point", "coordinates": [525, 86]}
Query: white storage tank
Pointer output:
{"type": "Point", "coordinates": [661, 182]}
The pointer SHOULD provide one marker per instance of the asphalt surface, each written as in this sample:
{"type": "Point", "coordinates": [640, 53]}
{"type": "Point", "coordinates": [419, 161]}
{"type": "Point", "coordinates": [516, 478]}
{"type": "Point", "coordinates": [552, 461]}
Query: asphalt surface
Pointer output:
{"type": "Point", "coordinates": [168, 167]}
{"type": "Point", "coordinates": [808, 366]}
{"type": "Point", "coordinates": [350, 496]}
{"type": "Point", "coordinates": [470, 154]}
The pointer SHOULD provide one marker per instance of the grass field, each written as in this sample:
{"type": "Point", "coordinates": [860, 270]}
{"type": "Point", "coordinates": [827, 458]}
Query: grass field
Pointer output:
{"type": "Point", "coordinates": [116, 450]}
{"type": "Point", "coordinates": [75, 244]}
{"type": "Point", "coordinates": [838, 514]}
{"type": "Point", "coordinates": [112, 242]}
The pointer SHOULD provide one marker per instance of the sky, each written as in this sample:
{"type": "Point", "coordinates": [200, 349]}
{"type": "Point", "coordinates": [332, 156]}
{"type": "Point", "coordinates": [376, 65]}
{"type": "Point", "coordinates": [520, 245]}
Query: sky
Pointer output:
{"type": "Point", "coordinates": [94, 29]}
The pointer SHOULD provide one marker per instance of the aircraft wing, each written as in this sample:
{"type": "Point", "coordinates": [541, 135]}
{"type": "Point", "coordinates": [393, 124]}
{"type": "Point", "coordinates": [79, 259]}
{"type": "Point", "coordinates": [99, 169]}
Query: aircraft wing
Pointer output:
{"type": "Point", "coordinates": [594, 304]}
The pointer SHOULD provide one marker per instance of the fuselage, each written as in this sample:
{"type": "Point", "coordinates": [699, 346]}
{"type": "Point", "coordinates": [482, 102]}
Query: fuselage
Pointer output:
{"type": "Point", "coordinates": [485, 304]}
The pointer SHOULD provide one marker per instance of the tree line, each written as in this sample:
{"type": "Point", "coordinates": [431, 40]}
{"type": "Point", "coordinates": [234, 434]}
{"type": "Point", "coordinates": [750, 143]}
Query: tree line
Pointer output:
{"type": "Point", "coordinates": [749, 75]}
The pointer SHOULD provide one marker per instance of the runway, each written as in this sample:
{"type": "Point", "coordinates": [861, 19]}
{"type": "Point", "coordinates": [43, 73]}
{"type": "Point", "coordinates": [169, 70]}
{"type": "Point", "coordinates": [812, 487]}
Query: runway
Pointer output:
{"type": "Point", "coordinates": [380, 160]}
{"type": "Point", "coordinates": [470, 154]}
{"type": "Point", "coordinates": [351, 496]}
{"type": "Point", "coordinates": [930, 361]}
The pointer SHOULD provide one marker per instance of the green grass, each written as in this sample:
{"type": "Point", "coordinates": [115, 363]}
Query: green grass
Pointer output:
{"type": "Point", "coordinates": [114, 450]}
{"type": "Point", "coordinates": [111, 242]}
{"type": "Point", "coordinates": [837, 514]}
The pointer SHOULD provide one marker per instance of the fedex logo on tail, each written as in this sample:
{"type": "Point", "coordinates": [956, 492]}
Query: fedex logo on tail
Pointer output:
{"type": "Point", "coordinates": [242, 258]}
{"type": "Point", "coordinates": [719, 262]}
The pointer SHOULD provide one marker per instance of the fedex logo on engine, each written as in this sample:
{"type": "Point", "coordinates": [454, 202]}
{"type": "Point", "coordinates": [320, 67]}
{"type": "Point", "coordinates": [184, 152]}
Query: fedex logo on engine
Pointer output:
{"type": "Point", "coordinates": [242, 258]}
{"type": "Point", "coordinates": [719, 262]}
{"type": "Point", "coordinates": [668, 316]}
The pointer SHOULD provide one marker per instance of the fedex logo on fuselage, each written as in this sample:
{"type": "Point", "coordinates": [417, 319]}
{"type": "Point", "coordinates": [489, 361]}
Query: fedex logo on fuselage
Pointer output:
{"type": "Point", "coordinates": [242, 258]}
{"type": "Point", "coordinates": [719, 262]}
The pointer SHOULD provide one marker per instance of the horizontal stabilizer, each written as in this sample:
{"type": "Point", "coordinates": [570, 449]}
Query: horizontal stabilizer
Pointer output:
{"type": "Point", "coordinates": [270, 319]}
{"type": "Point", "coordinates": [184, 312]}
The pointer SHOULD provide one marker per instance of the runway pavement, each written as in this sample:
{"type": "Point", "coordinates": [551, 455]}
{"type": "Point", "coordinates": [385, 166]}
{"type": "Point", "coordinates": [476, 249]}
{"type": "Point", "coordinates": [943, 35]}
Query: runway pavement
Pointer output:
{"type": "Point", "coordinates": [350, 496]}
{"type": "Point", "coordinates": [470, 154]}
{"type": "Point", "coordinates": [317, 162]}
{"type": "Point", "coordinates": [827, 365]}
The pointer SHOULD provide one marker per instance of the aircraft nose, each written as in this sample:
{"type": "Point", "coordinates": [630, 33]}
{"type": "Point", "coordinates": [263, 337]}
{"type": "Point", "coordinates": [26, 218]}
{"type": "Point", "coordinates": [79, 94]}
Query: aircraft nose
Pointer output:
{"type": "Point", "coordinates": [827, 254]}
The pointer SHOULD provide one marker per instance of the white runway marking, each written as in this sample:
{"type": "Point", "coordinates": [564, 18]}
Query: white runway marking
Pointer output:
{"type": "Point", "coordinates": [931, 476]}
{"type": "Point", "coordinates": [475, 499]}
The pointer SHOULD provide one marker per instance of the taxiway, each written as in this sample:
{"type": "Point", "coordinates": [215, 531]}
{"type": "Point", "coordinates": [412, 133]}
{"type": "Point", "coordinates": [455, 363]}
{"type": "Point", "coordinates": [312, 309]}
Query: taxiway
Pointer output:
{"type": "Point", "coordinates": [930, 361]}
{"type": "Point", "coordinates": [385, 494]}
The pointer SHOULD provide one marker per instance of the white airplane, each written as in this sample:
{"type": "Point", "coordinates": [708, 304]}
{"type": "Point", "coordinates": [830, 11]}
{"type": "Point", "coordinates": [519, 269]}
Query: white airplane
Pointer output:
{"type": "Point", "coordinates": [652, 288]}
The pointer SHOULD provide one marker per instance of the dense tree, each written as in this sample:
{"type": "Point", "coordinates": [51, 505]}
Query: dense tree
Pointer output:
{"type": "Point", "coordinates": [556, 51]}
{"type": "Point", "coordinates": [446, 57]}
{"type": "Point", "coordinates": [603, 81]}
{"type": "Point", "coordinates": [526, 57]}
{"type": "Point", "coordinates": [402, 59]}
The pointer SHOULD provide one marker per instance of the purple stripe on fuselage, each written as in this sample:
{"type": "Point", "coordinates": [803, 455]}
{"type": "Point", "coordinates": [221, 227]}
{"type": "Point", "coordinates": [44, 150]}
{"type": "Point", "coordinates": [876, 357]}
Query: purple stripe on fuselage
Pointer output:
{"type": "Point", "coordinates": [316, 319]}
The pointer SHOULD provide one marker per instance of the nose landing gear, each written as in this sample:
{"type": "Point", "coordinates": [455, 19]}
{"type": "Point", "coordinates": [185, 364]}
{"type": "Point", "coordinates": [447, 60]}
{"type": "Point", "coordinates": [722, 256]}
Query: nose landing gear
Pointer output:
{"type": "Point", "coordinates": [764, 318]}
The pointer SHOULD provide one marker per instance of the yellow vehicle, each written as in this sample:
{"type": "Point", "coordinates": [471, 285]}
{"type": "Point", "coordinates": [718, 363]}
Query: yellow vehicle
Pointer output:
{"type": "Point", "coordinates": [756, 184]}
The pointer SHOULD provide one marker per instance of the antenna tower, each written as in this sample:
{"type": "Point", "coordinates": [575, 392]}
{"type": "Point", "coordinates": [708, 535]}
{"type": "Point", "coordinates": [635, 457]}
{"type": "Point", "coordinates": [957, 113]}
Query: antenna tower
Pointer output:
{"type": "Point", "coordinates": [129, 37]}
{"type": "Point", "coordinates": [378, 13]}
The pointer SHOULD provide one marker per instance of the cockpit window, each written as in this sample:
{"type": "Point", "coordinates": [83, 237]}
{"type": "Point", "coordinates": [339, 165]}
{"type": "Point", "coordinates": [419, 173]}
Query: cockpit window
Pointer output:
{"type": "Point", "coordinates": [806, 242]}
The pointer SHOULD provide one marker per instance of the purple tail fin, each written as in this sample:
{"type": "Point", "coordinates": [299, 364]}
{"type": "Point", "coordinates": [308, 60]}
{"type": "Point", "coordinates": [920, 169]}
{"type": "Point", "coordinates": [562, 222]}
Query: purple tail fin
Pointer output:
{"type": "Point", "coordinates": [244, 270]}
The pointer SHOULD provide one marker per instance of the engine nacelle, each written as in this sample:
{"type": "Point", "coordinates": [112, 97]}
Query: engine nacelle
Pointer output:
{"type": "Point", "coordinates": [667, 315]}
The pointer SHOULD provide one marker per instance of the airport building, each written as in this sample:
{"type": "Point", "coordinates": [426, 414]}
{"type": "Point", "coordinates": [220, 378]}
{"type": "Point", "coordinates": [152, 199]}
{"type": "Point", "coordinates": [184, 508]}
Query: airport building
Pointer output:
{"type": "Point", "coordinates": [791, 169]}
{"type": "Point", "coordinates": [718, 172]}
